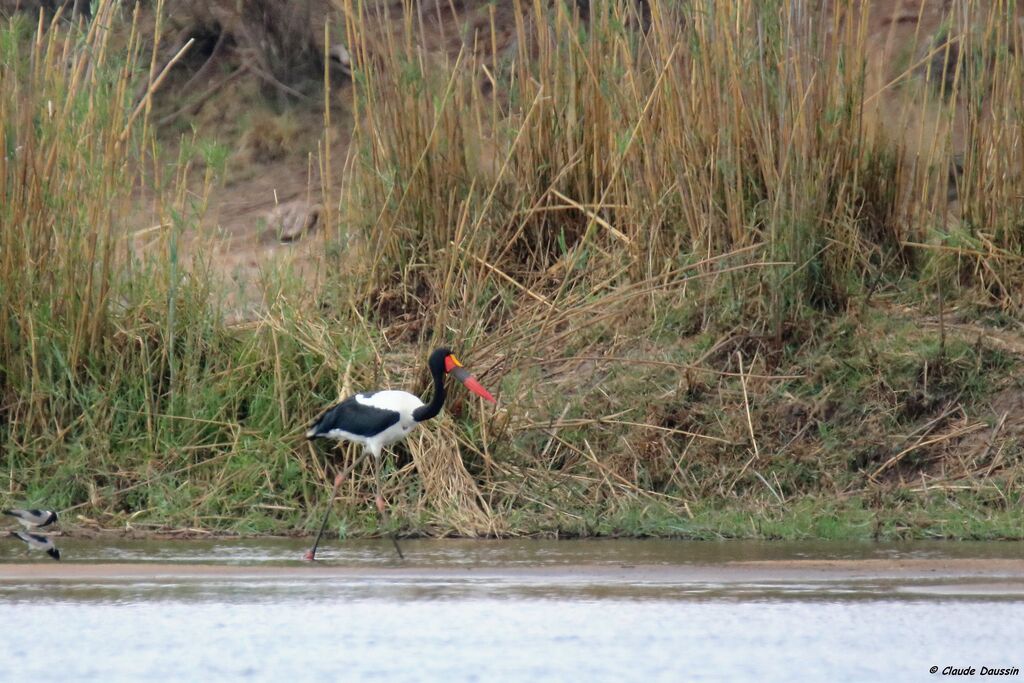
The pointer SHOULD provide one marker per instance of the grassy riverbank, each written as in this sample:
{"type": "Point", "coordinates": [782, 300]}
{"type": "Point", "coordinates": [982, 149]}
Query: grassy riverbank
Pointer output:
{"type": "Point", "coordinates": [728, 273]}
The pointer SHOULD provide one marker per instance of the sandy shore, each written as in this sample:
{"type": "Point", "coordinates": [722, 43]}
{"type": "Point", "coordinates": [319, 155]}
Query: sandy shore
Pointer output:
{"type": "Point", "coordinates": [1006, 572]}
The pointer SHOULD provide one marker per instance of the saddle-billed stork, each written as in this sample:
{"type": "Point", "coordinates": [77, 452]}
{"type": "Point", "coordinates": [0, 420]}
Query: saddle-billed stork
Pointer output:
{"type": "Point", "coordinates": [376, 419]}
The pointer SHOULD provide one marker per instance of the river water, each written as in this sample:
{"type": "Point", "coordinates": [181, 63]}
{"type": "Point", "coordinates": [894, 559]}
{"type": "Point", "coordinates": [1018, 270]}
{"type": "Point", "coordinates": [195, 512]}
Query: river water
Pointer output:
{"type": "Point", "coordinates": [510, 611]}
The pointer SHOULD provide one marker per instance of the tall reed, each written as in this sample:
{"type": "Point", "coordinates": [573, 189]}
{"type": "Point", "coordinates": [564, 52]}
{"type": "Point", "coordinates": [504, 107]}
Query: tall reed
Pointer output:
{"type": "Point", "coordinates": [66, 106]}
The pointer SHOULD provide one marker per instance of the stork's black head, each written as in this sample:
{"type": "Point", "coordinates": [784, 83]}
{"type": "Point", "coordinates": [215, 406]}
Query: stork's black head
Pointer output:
{"type": "Point", "coordinates": [54, 553]}
{"type": "Point", "coordinates": [438, 361]}
{"type": "Point", "coordinates": [442, 360]}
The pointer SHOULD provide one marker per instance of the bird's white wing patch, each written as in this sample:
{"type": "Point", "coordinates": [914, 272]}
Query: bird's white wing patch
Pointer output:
{"type": "Point", "coordinates": [401, 402]}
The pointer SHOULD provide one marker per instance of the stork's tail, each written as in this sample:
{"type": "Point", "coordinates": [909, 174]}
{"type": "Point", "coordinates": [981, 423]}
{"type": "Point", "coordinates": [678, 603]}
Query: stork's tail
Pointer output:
{"type": "Point", "coordinates": [313, 430]}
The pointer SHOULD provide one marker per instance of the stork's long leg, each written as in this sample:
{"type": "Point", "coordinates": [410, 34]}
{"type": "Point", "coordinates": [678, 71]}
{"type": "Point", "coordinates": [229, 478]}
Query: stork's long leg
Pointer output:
{"type": "Point", "coordinates": [381, 507]}
{"type": "Point", "coordinates": [311, 555]}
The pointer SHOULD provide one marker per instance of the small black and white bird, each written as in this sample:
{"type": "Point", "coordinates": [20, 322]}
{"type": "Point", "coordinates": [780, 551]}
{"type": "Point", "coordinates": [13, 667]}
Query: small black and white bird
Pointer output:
{"type": "Point", "coordinates": [376, 419]}
{"type": "Point", "coordinates": [38, 542]}
{"type": "Point", "coordinates": [33, 519]}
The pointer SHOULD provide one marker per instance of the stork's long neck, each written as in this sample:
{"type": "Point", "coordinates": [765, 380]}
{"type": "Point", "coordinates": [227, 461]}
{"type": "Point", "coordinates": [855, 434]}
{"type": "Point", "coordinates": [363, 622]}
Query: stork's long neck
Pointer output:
{"type": "Point", "coordinates": [430, 410]}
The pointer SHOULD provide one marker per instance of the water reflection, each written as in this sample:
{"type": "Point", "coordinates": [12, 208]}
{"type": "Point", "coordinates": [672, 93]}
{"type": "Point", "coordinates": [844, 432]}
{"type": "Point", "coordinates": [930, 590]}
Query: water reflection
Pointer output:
{"type": "Point", "coordinates": [507, 553]}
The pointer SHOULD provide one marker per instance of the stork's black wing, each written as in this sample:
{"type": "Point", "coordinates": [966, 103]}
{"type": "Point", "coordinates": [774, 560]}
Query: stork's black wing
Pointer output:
{"type": "Point", "coordinates": [353, 417]}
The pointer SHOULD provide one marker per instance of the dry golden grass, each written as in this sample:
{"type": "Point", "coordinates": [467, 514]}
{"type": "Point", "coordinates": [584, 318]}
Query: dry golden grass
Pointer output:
{"type": "Point", "coordinates": [671, 243]}
{"type": "Point", "coordinates": [449, 492]}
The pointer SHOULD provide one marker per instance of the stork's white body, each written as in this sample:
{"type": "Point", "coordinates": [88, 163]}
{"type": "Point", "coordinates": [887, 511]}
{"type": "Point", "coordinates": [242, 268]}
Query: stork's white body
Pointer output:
{"type": "Point", "coordinates": [395, 401]}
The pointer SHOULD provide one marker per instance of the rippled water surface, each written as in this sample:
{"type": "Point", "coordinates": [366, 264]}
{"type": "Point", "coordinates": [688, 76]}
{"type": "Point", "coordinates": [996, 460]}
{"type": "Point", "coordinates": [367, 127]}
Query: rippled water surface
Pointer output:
{"type": "Point", "coordinates": [500, 611]}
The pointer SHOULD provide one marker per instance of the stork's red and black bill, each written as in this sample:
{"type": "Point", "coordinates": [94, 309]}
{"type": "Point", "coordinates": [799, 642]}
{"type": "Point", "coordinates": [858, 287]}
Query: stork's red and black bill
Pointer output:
{"type": "Point", "coordinates": [453, 366]}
